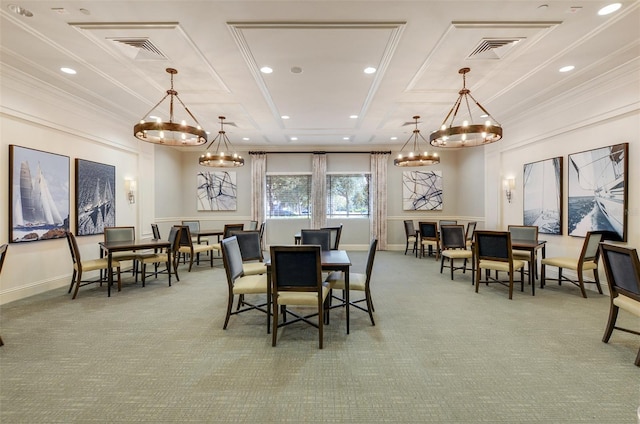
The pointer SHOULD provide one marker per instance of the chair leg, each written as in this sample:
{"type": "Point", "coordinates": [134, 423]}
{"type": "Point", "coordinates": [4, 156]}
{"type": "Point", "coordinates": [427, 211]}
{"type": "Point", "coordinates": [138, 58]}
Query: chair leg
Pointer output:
{"type": "Point", "coordinates": [596, 278]}
{"type": "Point", "coordinates": [613, 316]}
{"type": "Point", "coordinates": [229, 307]}
{"type": "Point", "coordinates": [78, 279]}
{"type": "Point", "coordinates": [190, 262]}
{"type": "Point", "coordinates": [119, 279]}
{"type": "Point", "coordinates": [451, 265]}
{"type": "Point", "coordinates": [144, 274]}
{"type": "Point", "coordinates": [73, 280]}
{"type": "Point", "coordinates": [406, 248]}
{"type": "Point", "coordinates": [274, 334]}
{"type": "Point", "coordinates": [510, 285]}
{"type": "Point", "coordinates": [581, 282]}
{"type": "Point", "coordinates": [543, 269]}
{"type": "Point", "coordinates": [367, 295]}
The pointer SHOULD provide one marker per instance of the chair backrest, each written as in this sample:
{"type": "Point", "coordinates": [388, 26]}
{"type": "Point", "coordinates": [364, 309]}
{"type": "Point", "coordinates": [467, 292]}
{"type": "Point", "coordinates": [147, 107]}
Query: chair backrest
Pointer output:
{"type": "Point", "coordinates": [193, 225]}
{"type": "Point", "coordinates": [321, 237]}
{"type": "Point", "coordinates": [229, 228]}
{"type": "Point", "coordinates": [447, 222]}
{"type": "Point", "coordinates": [622, 268]}
{"type": "Point", "coordinates": [232, 259]}
{"type": "Point", "coordinates": [3, 254]}
{"type": "Point", "coordinates": [73, 248]}
{"type": "Point", "coordinates": [471, 228]}
{"type": "Point", "coordinates": [452, 237]}
{"type": "Point", "coordinates": [591, 246]}
{"type": "Point", "coordinates": [156, 232]}
{"type": "Point", "coordinates": [370, 258]}
{"type": "Point", "coordinates": [253, 225]}
{"type": "Point", "coordinates": [262, 227]}
{"type": "Point", "coordinates": [409, 228]}
{"type": "Point", "coordinates": [296, 268]}
{"type": "Point", "coordinates": [493, 245]}
{"type": "Point", "coordinates": [119, 233]}
{"type": "Point", "coordinates": [249, 242]}
{"type": "Point", "coordinates": [428, 230]}
{"type": "Point", "coordinates": [174, 237]}
{"type": "Point", "coordinates": [336, 232]}
{"type": "Point", "coordinates": [185, 236]}
{"type": "Point", "coordinates": [523, 232]}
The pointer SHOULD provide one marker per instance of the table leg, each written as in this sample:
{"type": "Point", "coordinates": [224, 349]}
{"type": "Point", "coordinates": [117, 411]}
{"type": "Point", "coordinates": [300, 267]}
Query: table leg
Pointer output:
{"type": "Point", "coordinates": [346, 296]}
{"type": "Point", "coordinates": [110, 272]}
{"type": "Point", "coordinates": [169, 264]}
{"type": "Point", "coordinates": [532, 269]}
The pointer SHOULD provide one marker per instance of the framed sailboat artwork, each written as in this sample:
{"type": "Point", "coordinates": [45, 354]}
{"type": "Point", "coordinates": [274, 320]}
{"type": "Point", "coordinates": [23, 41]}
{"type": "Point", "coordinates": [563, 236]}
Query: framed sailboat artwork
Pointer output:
{"type": "Point", "coordinates": [542, 194]}
{"type": "Point", "coordinates": [95, 197]}
{"type": "Point", "coordinates": [598, 191]}
{"type": "Point", "coordinates": [39, 195]}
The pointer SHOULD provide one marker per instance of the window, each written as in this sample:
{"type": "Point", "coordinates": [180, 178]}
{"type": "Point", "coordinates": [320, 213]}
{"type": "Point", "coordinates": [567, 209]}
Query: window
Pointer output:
{"type": "Point", "coordinates": [288, 196]}
{"type": "Point", "coordinates": [347, 195]}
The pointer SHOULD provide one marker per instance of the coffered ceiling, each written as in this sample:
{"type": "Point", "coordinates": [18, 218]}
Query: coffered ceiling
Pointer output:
{"type": "Point", "coordinates": [318, 51]}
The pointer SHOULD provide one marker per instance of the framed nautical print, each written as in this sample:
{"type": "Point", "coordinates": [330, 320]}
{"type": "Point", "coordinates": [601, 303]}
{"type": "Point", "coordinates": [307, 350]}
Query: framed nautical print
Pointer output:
{"type": "Point", "coordinates": [422, 190]}
{"type": "Point", "coordinates": [542, 193]}
{"type": "Point", "coordinates": [39, 195]}
{"type": "Point", "coordinates": [95, 197]}
{"type": "Point", "coordinates": [217, 191]}
{"type": "Point", "coordinates": [598, 191]}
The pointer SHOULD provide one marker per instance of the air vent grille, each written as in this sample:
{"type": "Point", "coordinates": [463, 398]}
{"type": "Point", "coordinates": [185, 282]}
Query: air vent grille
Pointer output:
{"type": "Point", "coordinates": [144, 47]}
{"type": "Point", "coordinates": [493, 48]}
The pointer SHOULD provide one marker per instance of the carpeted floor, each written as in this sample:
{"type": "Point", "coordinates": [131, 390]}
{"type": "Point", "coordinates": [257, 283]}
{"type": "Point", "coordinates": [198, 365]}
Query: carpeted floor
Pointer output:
{"type": "Point", "coordinates": [439, 353]}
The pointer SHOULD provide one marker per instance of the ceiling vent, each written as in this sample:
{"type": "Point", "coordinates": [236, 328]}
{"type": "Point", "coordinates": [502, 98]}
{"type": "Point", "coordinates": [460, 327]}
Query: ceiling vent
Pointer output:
{"type": "Point", "coordinates": [494, 48]}
{"type": "Point", "coordinates": [138, 48]}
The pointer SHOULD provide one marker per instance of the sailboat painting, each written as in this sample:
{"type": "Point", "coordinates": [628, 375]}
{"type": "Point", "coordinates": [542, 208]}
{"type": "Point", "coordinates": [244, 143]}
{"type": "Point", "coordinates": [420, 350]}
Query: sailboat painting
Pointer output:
{"type": "Point", "coordinates": [598, 191]}
{"type": "Point", "coordinates": [95, 197]}
{"type": "Point", "coordinates": [39, 193]}
{"type": "Point", "coordinates": [543, 195]}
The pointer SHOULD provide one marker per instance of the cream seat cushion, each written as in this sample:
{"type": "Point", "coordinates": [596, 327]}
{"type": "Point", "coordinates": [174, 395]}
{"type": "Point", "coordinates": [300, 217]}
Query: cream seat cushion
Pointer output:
{"type": "Point", "coordinates": [197, 248]}
{"type": "Point", "coordinates": [568, 263]}
{"type": "Point", "coordinates": [500, 266]}
{"type": "Point", "coordinates": [95, 264]}
{"type": "Point", "coordinates": [457, 254]}
{"type": "Point", "coordinates": [301, 298]}
{"type": "Point", "coordinates": [356, 281]}
{"type": "Point", "coordinates": [628, 304]}
{"type": "Point", "coordinates": [250, 284]}
{"type": "Point", "coordinates": [254, 268]}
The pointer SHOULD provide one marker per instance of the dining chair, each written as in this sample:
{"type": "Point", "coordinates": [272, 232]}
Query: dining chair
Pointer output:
{"type": "Point", "coordinates": [411, 236]}
{"type": "Point", "coordinates": [194, 226]}
{"type": "Point", "coordinates": [253, 225]}
{"type": "Point", "coordinates": [80, 266]}
{"type": "Point", "coordinates": [429, 238]}
{"type": "Point", "coordinates": [193, 250]}
{"type": "Point", "coordinates": [454, 247]}
{"type": "Point", "coordinates": [251, 250]}
{"type": "Point", "coordinates": [471, 227]}
{"type": "Point", "coordinates": [321, 237]}
{"type": "Point", "coordinates": [127, 233]}
{"type": "Point", "coordinates": [527, 233]}
{"type": "Point", "coordinates": [447, 222]}
{"type": "Point", "coordinates": [493, 253]}
{"type": "Point", "coordinates": [226, 232]}
{"type": "Point", "coordinates": [239, 283]}
{"type": "Point", "coordinates": [622, 268]}
{"type": "Point", "coordinates": [3, 255]}
{"type": "Point", "coordinates": [358, 282]}
{"type": "Point", "coordinates": [296, 281]}
{"type": "Point", "coordinates": [335, 233]}
{"type": "Point", "coordinates": [586, 261]}
{"type": "Point", "coordinates": [163, 257]}
{"type": "Point", "coordinates": [156, 231]}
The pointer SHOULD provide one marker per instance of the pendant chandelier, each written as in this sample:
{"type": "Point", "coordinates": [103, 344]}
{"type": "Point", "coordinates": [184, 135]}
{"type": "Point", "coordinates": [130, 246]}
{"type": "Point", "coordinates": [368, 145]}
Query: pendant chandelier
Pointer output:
{"type": "Point", "coordinates": [168, 132]}
{"type": "Point", "coordinates": [464, 132]}
{"type": "Point", "coordinates": [414, 157]}
{"type": "Point", "coordinates": [228, 159]}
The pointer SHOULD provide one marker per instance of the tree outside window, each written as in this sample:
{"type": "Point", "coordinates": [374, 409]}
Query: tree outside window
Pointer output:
{"type": "Point", "coordinates": [347, 195]}
{"type": "Point", "coordinates": [288, 196]}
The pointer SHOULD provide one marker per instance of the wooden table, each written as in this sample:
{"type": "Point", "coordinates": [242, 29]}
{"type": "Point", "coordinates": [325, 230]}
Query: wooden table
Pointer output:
{"type": "Point", "coordinates": [125, 246]}
{"type": "Point", "coordinates": [531, 246]}
{"type": "Point", "coordinates": [332, 260]}
{"type": "Point", "coordinates": [203, 233]}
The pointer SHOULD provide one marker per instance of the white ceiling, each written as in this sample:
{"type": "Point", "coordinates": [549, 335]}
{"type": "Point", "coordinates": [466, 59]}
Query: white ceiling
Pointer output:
{"type": "Point", "coordinates": [219, 46]}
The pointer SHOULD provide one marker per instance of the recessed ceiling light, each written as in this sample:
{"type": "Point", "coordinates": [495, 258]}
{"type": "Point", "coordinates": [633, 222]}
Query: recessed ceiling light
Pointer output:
{"type": "Point", "coordinates": [394, 138]}
{"type": "Point", "coordinates": [294, 138]}
{"type": "Point", "coordinates": [346, 138]}
{"type": "Point", "coordinates": [353, 116]}
{"type": "Point", "coordinates": [20, 10]}
{"type": "Point", "coordinates": [609, 9]}
{"type": "Point", "coordinates": [68, 71]}
{"type": "Point", "coordinates": [285, 117]}
{"type": "Point", "coordinates": [369, 70]}
{"type": "Point", "coordinates": [567, 68]}
{"type": "Point", "coordinates": [266, 70]}
{"type": "Point", "coordinates": [246, 138]}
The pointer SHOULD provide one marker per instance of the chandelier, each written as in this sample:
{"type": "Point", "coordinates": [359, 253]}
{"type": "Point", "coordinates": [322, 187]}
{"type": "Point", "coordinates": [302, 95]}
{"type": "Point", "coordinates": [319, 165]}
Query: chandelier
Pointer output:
{"type": "Point", "coordinates": [466, 133]}
{"type": "Point", "coordinates": [169, 132]}
{"type": "Point", "coordinates": [219, 159]}
{"type": "Point", "coordinates": [414, 157]}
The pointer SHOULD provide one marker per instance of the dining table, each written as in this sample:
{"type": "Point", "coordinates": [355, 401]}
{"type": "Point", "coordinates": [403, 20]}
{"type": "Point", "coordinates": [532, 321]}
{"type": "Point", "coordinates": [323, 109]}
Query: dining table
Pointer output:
{"type": "Point", "coordinates": [110, 247]}
{"type": "Point", "coordinates": [207, 232]}
{"type": "Point", "coordinates": [332, 260]}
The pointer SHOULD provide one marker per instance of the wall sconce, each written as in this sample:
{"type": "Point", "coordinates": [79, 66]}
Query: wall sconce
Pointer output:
{"type": "Point", "coordinates": [130, 186]}
{"type": "Point", "coordinates": [509, 185]}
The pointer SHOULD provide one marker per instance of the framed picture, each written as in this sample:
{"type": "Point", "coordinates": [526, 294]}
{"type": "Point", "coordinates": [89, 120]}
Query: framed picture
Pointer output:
{"type": "Point", "coordinates": [217, 191]}
{"type": "Point", "coordinates": [422, 190]}
{"type": "Point", "coordinates": [542, 193]}
{"type": "Point", "coordinates": [39, 194]}
{"type": "Point", "coordinates": [598, 191]}
{"type": "Point", "coordinates": [95, 197]}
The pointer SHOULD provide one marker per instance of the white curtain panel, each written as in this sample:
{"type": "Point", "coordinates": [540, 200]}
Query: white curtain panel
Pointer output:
{"type": "Point", "coordinates": [258, 186]}
{"type": "Point", "coordinates": [319, 191]}
{"type": "Point", "coordinates": [378, 187]}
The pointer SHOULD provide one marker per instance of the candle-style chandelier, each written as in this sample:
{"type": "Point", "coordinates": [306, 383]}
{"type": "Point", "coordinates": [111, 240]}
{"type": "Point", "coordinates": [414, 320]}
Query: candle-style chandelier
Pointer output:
{"type": "Point", "coordinates": [225, 159]}
{"type": "Point", "coordinates": [415, 157]}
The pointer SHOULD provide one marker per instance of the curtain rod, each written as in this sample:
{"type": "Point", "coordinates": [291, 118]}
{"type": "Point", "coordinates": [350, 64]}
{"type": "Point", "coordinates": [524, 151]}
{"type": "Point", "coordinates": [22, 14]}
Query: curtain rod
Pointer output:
{"type": "Point", "coordinates": [296, 152]}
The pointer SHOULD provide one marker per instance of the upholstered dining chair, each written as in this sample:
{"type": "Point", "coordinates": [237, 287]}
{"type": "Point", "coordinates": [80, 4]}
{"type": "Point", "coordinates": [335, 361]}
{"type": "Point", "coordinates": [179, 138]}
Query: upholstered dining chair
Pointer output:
{"type": "Point", "coordinates": [321, 237]}
{"type": "Point", "coordinates": [586, 261]}
{"type": "Point", "coordinates": [80, 266]}
{"type": "Point", "coordinates": [335, 232]}
{"type": "Point", "coordinates": [528, 233]}
{"type": "Point", "coordinates": [471, 228]}
{"type": "Point", "coordinates": [226, 232]}
{"type": "Point", "coordinates": [429, 239]}
{"type": "Point", "coordinates": [447, 222]}
{"type": "Point", "coordinates": [622, 268]}
{"type": "Point", "coordinates": [239, 283]}
{"type": "Point", "coordinates": [454, 247]}
{"type": "Point", "coordinates": [357, 282]}
{"type": "Point", "coordinates": [193, 227]}
{"type": "Point", "coordinates": [163, 257]}
{"type": "Point", "coordinates": [411, 236]}
{"type": "Point", "coordinates": [251, 250]}
{"type": "Point", "coordinates": [127, 233]}
{"type": "Point", "coordinates": [493, 253]}
{"type": "Point", "coordinates": [156, 231]}
{"type": "Point", "coordinates": [296, 281]}
{"type": "Point", "coordinates": [3, 255]}
{"type": "Point", "coordinates": [253, 225]}
{"type": "Point", "coordinates": [187, 247]}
